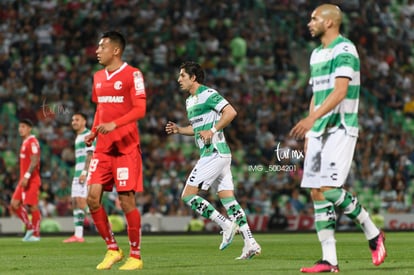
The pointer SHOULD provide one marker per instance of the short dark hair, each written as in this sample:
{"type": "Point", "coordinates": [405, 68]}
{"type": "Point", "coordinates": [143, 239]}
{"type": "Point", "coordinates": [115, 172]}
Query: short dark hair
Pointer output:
{"type": "Point", "coordinates": [193, 69]}
{"type": "Point", "coordinates": [83, 115]}
{"type": "Point", "coordinates": [26, 121]}
{"type": "Point", "coordinates": [115, 37]}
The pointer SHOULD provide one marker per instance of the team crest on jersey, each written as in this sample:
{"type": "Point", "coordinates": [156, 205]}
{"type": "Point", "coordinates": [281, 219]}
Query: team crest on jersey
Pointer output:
{"type": "Point", "coordinates": [118, 85]}
{"type": "Point", "coordinates": [98, 85]}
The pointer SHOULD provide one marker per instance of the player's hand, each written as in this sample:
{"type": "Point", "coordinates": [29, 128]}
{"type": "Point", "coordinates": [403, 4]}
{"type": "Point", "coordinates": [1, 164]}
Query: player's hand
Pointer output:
{"type": "Point", "coordinates": [206, 136]}
{"type": "Point", "coordinates": [82, 179]}
{"type": "Point", "coordinates": [171, 128]}
{"type": "Point", "coordinates": [106, 128]}
{"type": "Point", "coordinates": [90, 138]}
{"type": "Point", "coordinates": [301, 128]}
{"type": "Point", "coordinates": [24, 183]}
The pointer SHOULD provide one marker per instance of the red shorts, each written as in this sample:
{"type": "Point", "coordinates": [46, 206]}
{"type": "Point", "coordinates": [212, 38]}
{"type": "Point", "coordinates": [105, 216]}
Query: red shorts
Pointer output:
{"type": "Point", "coordinates": [29, 195]}
{"type": "Point", "coordinates": [125, 171]}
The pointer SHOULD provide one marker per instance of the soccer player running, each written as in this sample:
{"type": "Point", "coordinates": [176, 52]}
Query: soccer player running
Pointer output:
{"type": "Point", "coordinates": [26, 194]}
{"type": "Point", "coordinates": [331, 130]}
{"type": "Point", "coordinates": [209, 113]}
{"type": "Point", "coordinates": [83, 154]}
{"type": "Point", "coordinates": [119, 92]}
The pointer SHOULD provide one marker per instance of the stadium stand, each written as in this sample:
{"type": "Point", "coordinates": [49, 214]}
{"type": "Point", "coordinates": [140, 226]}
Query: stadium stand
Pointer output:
{"type": "Point", "coordinates": [255, 52]}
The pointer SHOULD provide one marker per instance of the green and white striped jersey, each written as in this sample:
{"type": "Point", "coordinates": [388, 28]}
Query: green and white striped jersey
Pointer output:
{"type": "Point", "coordinates": [339, 59]}
{"type": "Point", "coordinates": [81, 151]}
{"type": "Point", "coordinates": [203, 111]}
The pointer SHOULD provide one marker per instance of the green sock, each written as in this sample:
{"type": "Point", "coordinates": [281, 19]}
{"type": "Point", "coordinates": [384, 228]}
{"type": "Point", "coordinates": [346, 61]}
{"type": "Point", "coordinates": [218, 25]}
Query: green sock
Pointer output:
{"type": "Point", "coordinates": [325, 216]}
{"type": "Point", "coordinates": [78, 216]}
{"type": "Point", "coordinates": [205, 209]}
{"type": "Point", "coordinates": [353, 209]}
{"type": "Point", "coordinates": [234, 210]}
{"type": "Point", "coordinates": [345, 201]}
{"type": "Point", "coordinates": [237, 214]}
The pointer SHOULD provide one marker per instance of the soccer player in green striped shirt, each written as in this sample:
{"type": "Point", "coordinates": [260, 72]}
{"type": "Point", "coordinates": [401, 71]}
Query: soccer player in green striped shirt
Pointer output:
{"type": "Point", "coordinates": [209, 113]}
{"type": "Point", "coordinates": [331, 130]}
{"type": "Point", "coordinates": [83, 154]}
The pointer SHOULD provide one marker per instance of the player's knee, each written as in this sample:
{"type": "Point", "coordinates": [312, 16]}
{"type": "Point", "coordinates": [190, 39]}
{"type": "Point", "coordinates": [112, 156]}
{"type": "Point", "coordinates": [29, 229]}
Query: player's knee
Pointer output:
{"type": "Point", "coordinates": [317, 195]}
{"type": "Point", "coordinates": [93, 202]}
{"type": "Point", "coordinates": [14, 205]}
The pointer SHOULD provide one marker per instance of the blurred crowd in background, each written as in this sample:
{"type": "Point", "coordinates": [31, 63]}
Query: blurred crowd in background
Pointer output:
{"type": "Point", "coordinates": [254, 52]}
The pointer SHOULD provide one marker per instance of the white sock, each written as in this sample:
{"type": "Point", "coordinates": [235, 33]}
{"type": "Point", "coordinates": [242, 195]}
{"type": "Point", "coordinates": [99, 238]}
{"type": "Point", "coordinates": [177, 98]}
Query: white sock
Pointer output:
{"type": "Point", "coordinates": [247, 235]}
{"type": "Point", "coordinates": [369, 228]}
{"type": "Point", "coordinates": [222, 221]}
{"type": "Point", "coordinates": [328, 243]}
{"type": "Point", "coordinates": [79, 231]}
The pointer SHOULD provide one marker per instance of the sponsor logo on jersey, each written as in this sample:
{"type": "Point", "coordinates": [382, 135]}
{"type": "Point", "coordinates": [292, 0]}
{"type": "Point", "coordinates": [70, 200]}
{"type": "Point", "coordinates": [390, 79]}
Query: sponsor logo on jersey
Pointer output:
{"type": "Point", "coordinates": [110, 99]}
{"type": "Point", "coordinates": [118, 85]}
{"type": "Point", "coordinates": [200, 119]}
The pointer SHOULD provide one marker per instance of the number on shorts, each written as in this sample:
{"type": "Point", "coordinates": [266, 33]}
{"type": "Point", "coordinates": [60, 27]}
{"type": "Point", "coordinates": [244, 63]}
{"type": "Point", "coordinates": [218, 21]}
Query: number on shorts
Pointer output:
{"type": "Point", "coordinates": [93, 164]}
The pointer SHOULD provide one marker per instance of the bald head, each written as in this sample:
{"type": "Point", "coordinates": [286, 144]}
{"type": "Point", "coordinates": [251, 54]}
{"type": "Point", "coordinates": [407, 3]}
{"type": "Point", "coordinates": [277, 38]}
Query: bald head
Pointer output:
{"type": "Point", "coordinates": [325, 23]}
{"type": "Point", "coordinates": [332, 12]}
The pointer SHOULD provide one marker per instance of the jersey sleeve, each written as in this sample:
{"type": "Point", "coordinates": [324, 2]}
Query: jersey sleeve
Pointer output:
{"type": "Point", "coordinates": [34, 148]}
{"type": "Point", "coordinates": [138, 98]}
{"type": "Point", "coordinates": [346, 61]}
{"type": "Point", "coordinates": [138, 89]}
{"type": "Point", "coordinates": [216, 102]}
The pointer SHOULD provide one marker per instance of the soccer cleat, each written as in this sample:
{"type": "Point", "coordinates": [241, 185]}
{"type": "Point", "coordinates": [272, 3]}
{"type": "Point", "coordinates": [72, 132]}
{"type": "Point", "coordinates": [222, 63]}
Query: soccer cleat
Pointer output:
{"type": "Point", "coordinates": [74, 239]}
{"type": "Point", "coordinates": [29, 233]}
{"type": "Point", "coordinates": [32, 239]}
{"type": "Point", "coordinates": [111, 257]}
{"type": "Point", "coordinates": [379, 253]}
{"type": "Point", "coordinates": [320, 266]}
{"type": "Point", "coordinates": [249, 251]}
{"type": "Point", "coordinates": [132, 264]}
{"type": "Point", "coordinates": [228, 235]}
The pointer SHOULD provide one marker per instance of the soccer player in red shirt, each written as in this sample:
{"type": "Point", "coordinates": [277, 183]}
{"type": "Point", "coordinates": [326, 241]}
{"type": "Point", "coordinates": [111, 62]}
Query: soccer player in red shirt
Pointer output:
{"type": "Point", "coordinates": [26, 194]}
{"type": "Point", "coordinates": [119, 93]}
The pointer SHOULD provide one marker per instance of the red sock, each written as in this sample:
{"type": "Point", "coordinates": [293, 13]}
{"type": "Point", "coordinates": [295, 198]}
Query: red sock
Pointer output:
{"type": "Point", "coordinates": [134, 233]}
{"type": "Point", "coordinates": [100, 218]}
{"type": "Point", "coordinates": [36, 217]}
{"type": "Point", "coordinates": [22, 214]}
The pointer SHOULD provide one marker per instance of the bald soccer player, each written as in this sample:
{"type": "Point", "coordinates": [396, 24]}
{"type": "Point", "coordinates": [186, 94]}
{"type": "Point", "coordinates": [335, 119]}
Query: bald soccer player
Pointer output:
{"type": "Point", "coordinates": [330, 131]}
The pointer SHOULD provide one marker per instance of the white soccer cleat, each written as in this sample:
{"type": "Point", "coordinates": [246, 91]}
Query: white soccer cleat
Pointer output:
{"type": "Point", "coordinates": [28, 235]}
{"type": "Point", "coordinates": [228, 235]}
{"type": "Point", "coordinates": [249, 251]}
{"type": "Point", "coordinates": [32, 239]}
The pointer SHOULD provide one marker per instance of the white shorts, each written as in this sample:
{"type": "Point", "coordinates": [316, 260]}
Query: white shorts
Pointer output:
{"type": "Point", "coordinates": [79, 190]}
{"type": "Point", "coordinates": [328, 160]}
{"type": "Point", "coordinates": [211, 170]}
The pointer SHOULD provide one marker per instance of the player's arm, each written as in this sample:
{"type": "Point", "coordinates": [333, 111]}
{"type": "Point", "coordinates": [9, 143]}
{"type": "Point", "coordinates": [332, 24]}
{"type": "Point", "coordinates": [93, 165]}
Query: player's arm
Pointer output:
{"type": "Point", "coordinates": [136, 113]}
{"type": "Point", "coordinates": [91, 137]}
{"type": "Point", "coordinates": [333, 99]}
{"type": "Point", "coordinates": [173, 128]}
{"type": "Point", "coordinates": [34, 161]}
{"type": "Point", "coordinates": [228, 113]}
{"type": "Point", "coordinates": [84, 173]}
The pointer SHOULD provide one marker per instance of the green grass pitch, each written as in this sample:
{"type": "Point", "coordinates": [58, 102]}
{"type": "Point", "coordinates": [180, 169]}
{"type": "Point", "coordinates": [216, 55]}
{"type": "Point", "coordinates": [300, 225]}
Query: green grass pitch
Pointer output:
{"type": "Point", "coordinates": [198, 254]}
